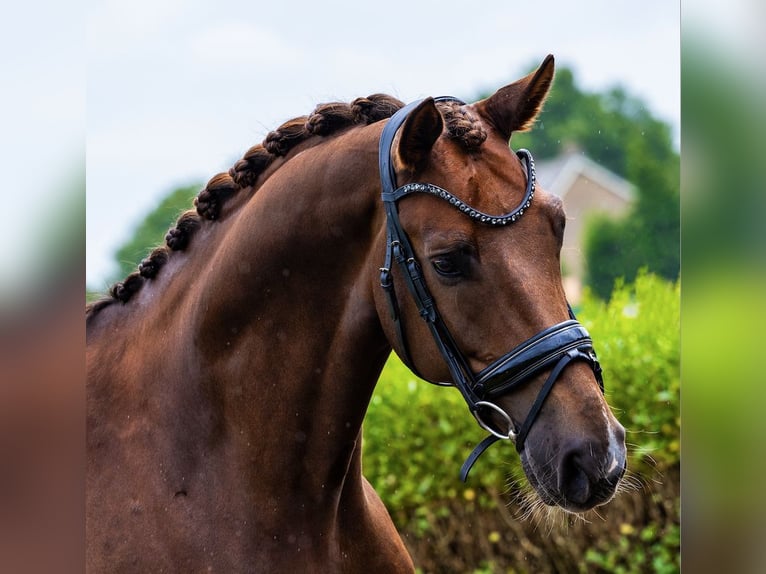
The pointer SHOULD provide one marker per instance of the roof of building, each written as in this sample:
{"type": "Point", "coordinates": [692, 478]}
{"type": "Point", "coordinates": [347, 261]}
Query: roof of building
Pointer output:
{"type": "Point", "coordinates": [558, 174]}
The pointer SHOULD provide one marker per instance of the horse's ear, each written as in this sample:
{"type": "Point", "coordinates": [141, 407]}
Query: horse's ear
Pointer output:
{"type": "Point", "coordinates": [515, 107]}
{"type": "Point", "coordinates": [420, 131]}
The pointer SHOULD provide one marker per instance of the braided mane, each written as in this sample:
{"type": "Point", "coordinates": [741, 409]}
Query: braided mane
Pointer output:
{"type": "Point", "coordinates": [327, 119]}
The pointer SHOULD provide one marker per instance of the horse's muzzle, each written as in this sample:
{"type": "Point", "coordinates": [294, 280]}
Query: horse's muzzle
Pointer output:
{"type": "Point", "coordinates": [582, 476]}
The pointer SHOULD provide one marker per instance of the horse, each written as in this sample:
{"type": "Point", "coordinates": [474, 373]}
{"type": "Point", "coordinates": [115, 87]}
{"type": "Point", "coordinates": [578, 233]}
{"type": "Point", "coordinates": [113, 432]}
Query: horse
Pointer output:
{"type": "Point", "coordinates": [229, 375]}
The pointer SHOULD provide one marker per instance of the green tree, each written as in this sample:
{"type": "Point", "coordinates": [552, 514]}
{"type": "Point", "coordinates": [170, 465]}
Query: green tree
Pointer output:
{"type": "Point", "coordinates": [618, 131]}
{"type": "Point", "coordinates": [151, 231]}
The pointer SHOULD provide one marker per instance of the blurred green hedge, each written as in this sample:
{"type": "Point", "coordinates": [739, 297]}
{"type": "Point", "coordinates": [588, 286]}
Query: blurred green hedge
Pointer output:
{"type": "Point", "coordinates": [637, 335]}
{"type": "Point", "coordinates": [416, 437]}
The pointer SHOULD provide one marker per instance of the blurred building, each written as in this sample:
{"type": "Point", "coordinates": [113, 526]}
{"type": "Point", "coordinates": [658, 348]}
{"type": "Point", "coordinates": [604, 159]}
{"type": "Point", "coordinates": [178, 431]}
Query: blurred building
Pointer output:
{"type": "Point", "coordinates": [586, 189]}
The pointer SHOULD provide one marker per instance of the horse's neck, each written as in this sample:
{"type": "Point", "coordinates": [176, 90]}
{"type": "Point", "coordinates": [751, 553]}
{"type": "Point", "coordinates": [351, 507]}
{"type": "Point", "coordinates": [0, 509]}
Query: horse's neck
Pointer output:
{"type": "Point", "coordinates": [283, 327]}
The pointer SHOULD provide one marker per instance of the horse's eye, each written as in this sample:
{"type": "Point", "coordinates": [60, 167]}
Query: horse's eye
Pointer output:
{"type": "Point", "coordinates": [446, 266]}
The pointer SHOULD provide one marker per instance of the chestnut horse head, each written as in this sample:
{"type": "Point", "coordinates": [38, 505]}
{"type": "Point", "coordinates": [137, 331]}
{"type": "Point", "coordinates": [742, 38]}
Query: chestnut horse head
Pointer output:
{"type": "Point", "coordinates": [229, 376]}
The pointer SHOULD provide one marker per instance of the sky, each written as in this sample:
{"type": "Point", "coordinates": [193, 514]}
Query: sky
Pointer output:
{"type": "Point", "coordinates": [178, 90]}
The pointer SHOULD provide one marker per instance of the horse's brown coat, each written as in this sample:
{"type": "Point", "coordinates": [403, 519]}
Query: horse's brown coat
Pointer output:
{"type": "Point", "coordinates": [226, 394]}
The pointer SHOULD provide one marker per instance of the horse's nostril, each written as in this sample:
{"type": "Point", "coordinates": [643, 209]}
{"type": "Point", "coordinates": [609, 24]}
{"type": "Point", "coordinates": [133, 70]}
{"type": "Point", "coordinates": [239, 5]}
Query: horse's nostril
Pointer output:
{"type": "Point", "coordinates": [583, 480]}
{"type": "Point", "coordinates": [574, 481]}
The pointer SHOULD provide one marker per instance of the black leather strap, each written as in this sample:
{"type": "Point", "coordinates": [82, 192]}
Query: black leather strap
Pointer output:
{"type": "Point", "coordinates": [475, 454]}
{"type": "Point", "coordinates": [473, 213]}
{"type": "Point", "coordinates": [399, 250]}
{"type": "Point", "coordinates": [542, 395]}
{"type": "Point", "coordinates": [521, 437]}
{"type": "Point", "coordinates": [531, 357]}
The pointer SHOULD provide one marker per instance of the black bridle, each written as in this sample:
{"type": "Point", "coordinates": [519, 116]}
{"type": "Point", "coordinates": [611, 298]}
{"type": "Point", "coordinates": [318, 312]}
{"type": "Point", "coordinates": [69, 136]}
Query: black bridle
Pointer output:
{"type": "Point", "coordinates": [553, 348]}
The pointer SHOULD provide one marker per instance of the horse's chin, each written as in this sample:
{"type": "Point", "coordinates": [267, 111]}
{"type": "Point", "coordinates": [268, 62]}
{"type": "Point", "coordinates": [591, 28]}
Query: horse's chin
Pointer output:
{"type": "Point", "coordinates": [540, 489]}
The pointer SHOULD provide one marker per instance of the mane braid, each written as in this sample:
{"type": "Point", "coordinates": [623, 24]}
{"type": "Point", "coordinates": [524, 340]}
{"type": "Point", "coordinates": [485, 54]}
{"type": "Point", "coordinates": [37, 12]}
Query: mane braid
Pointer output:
{"type": "Point", "coordinates": [216, 192]}
{"type": "Point", "coordinates": [461, 125]}
{"type": "Point", "coordinates": [326, 119]}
